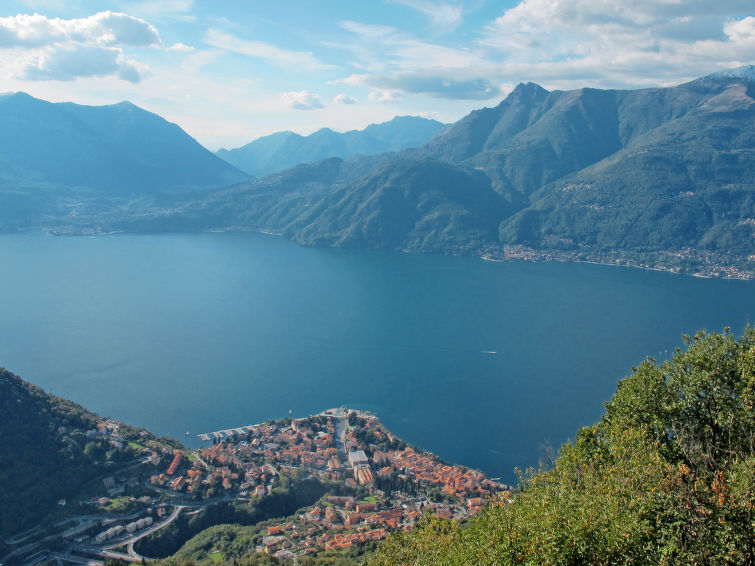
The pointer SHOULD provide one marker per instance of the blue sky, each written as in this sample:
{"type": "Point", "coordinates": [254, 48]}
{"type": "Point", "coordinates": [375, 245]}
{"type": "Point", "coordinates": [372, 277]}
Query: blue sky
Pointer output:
{"type": "Point", "coordinates": [230, 71]}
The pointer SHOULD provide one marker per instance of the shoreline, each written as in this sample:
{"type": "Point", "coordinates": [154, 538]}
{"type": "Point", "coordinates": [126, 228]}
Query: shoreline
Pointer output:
{"type": "Point", "coordinates": [509, 254]}
{"type": "Point", "coordinates": [723, 271]}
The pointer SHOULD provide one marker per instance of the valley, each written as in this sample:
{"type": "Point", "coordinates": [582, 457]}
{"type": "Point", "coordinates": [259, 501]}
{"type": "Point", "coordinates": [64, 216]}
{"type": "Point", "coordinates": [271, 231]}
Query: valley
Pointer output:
{"type": "Point", "coordinates": [511, 245]}
{"type": "Point", "coordinates": [658, 178]}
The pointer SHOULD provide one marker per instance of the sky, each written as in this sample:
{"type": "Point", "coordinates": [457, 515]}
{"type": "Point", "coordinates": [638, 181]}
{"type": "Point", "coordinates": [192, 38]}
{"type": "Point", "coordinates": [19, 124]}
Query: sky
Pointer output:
{"type": "Point", "coordinates": [229, 71]}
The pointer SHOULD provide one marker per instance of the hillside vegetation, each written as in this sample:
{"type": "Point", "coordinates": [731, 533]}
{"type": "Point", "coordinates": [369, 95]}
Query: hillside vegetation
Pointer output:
{"type": "Point", "coordinates": [46, 454]}
{"type": "Point", "coordinates": [200, 529]}
{"type": "Point", "coordinates": [666, 477]}
{"type": "Point", "coordinates": [659, 176]}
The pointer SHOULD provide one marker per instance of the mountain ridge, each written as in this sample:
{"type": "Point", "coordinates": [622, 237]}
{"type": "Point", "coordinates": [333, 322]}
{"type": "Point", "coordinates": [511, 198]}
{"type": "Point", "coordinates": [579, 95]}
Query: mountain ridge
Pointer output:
{"type": "Point", "coordinates": [113, 148]}
{"type": "Point", "coordinates": [656, 176]}
{"type": "Point", "coordinates": [282, 150]}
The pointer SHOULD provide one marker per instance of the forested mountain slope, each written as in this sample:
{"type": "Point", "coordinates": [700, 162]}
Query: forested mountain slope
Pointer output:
{"type": "Point", "coordinates": [46, 453]}
{"type": "Point", "coordinates": [661, 177]}
{"type": "Point", "coordinates": [653, 175]}
{"type": "Point", "coordinates": [61, 161]}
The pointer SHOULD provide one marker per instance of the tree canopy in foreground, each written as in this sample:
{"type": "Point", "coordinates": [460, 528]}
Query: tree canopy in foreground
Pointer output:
{"type": "Point", "coordinates": [666, 477]}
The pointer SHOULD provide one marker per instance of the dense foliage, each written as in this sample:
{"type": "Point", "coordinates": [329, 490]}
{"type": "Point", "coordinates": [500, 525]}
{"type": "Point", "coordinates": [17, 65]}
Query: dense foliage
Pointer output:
{"type": "Point", "coordinates": [46, 455]}
{"type": "Point", "coordinates": [666, 477]}
{"type": "Point", "coordinates": [285, 499]}
{"type": "Point", "coordinates": [235, 544]}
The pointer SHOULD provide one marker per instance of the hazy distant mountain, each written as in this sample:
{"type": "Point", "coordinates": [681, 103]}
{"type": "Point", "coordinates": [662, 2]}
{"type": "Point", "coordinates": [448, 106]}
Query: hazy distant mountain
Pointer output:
{"type": "Point", "coordinates": [585, 171]}
{"type": "Point", "coordinates": [279, 151]}
{"type": "Point", "coordinates": [578, 174]}
{"type": "Point", "coordinates": [117, 149]}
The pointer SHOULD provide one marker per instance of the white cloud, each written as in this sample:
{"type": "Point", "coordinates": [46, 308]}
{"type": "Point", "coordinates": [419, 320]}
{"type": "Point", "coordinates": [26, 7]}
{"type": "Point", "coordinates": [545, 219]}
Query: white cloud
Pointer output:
{"type": "Point", "coordinates": [368, 31]}
{"type": "Point", "coordinates": [560, 44]}
{"type": "Point", "coordinates": [180, 47]}
{"type": "Point", "coordinates": [68, 63]}
{"type": "Point", "coordinates": [440, 86]}
{"type": "Point", "coordinates": [344, 99]}
{"type": "Point", "coordinates": [104, 28]}
{"type": "Point", "coordinates": [39, 48]}
{"type": "Point", "coordinates": [444, 17]}
{"type": "Point", "coordinates": [741, 31]}
{"type": "Point", "coordinates": [438, 83]}
{"type": "Point", "coordinates": [570, 42]}
{"type": "Point", "coordinates": [384, 96]}
{"type": "Point", "coordinates": [195, 61]}
{"type": "Point", "coordinates": [405, 51]}
{"type": "Point", "coordinates": [301, 100]}
{"type": "Point", "coordinates": [262, 50]}
{"type": "Point", "coordinates": [414, 66]}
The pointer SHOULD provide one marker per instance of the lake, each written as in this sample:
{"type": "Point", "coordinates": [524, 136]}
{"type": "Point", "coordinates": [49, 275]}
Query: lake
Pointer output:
{"type": "Point", "coordinates": [482, 363]}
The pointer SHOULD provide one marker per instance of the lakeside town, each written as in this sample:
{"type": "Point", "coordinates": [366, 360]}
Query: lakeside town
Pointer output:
{"type": "Point", "coordinates": [688, 261]}
{"type": "Point", "coordinates": [392, 483]}
{"type": "Point", "coordinates": [372, 484]}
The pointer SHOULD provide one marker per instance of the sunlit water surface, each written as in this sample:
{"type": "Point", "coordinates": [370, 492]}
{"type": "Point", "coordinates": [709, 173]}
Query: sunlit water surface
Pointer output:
{"type": "Point", "coordinates": [481, 363]}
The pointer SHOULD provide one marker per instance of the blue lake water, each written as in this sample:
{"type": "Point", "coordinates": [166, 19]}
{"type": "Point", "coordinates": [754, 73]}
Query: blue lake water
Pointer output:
{"type": "Point", "coordinates": [481, 363]}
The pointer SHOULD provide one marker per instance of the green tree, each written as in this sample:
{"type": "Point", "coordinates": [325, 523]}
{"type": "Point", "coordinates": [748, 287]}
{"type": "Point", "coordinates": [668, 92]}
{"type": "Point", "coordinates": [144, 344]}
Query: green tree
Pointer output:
{"type": "Point", "coordinates": [666, 477]}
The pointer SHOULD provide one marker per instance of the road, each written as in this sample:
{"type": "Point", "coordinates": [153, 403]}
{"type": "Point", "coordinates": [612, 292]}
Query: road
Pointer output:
{"type": "Point", "coordinates": [93, 551]}
{"type": "Point", "coordinates": [155, 527]}
{"type": "Point", "coordinates": [340, 426]}
{"type": "Point", "coordinates": [70, 558]}
{"type": "Point", "coordinates": [106, 551]}
{"type": "Point", "coordinates": [172, 517]}
{"type": "Point", "coordinates": [21, 537]}
{"type": "Point", "coordinates": [199, 459]}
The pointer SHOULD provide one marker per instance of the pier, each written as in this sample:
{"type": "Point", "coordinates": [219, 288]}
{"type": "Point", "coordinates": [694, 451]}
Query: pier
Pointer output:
{"type": "Point", "coordinates": [339, 413]}
{"type": "Point", "coordinates": [222, 434]}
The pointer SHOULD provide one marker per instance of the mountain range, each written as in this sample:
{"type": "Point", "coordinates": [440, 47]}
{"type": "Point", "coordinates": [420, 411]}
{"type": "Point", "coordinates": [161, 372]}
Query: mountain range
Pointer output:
{"type": "Point", "coordinates": [642, 170]}
{"type": "Point", "coordinates": [113, 149]}
{"type": "Point", "coordinates": [660, 177]}
{"type": "Point", "coordinates": [55, 154]}
{"type": "Point", "coordinates": [282, 150]}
